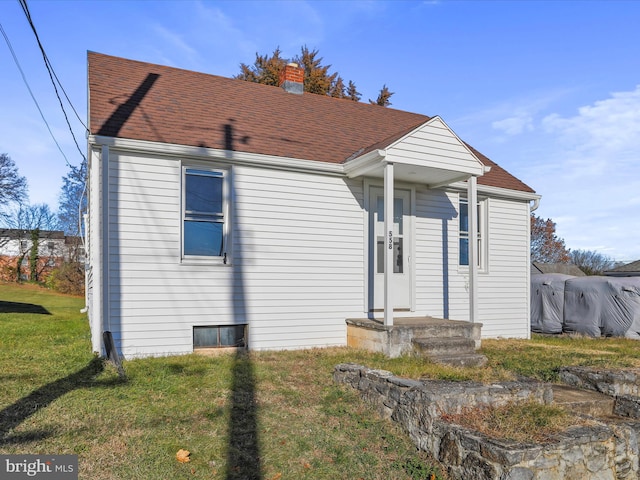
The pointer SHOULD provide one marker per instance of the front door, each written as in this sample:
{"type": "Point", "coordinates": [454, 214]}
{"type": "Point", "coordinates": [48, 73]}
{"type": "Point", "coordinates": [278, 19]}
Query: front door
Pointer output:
{"type": "Point", "coordinates": [401, 279]}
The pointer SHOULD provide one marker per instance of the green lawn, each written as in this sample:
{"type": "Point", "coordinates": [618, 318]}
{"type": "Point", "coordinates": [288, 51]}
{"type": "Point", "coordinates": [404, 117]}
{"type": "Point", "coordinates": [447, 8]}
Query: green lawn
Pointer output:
{"type": "Point", "coordinates": [269, 415]}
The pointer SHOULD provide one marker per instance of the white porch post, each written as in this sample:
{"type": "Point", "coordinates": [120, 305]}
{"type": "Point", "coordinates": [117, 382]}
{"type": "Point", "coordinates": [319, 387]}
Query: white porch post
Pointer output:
{"type": "Point", "coordinates": [472, 207]}
{"type": "Point", "coordinates": [388, 243]}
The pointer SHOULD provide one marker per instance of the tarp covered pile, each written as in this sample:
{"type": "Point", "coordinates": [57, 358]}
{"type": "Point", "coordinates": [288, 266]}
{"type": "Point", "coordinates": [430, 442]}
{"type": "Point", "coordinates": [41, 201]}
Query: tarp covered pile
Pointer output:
{"type": "Point", "coordinates": [594, 306]}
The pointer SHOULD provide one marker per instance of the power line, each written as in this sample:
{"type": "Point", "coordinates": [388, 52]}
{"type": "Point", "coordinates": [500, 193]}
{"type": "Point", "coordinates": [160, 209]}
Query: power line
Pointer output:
{"type": "Point", "coordinates": [24, 79]}
{"type": "Point", "coordinates": [52, 75]}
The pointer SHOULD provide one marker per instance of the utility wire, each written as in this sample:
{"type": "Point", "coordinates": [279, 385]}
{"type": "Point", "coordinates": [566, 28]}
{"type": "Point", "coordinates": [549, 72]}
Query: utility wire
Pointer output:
{"type": "Point", "coordinates": [24, 79]}
{"type": "Point", "coordinates": [52, 74]}
{"type": "Point", "coordinates": [27, 13]}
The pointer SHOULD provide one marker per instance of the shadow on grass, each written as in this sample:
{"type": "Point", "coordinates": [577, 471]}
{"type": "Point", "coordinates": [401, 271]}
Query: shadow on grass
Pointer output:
{"type": "Point", "coordinates": [243, 457]}
{"type": "Point", "coordinates": [12, 416]}
{"type": "Point", "coordinates": [18, 307]}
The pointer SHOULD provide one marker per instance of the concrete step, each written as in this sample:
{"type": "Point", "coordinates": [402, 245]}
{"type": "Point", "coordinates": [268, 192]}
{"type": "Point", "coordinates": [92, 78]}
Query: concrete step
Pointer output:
{"type": "Point", "coordinates": [587, 402]}
{"type": "Point", "coordinates": [431, 328]}
{"type": "Point", "coordinates": [460, 360]}
{"type": "Point", "coordinates": [445, 345]}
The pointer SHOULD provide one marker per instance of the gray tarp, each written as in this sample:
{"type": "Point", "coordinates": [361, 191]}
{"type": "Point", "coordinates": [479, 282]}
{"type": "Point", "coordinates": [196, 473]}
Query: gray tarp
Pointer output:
{"type": "Point", "coordinates": [606, 306]}
{"type": "Point", "coordinates": [547, 302]}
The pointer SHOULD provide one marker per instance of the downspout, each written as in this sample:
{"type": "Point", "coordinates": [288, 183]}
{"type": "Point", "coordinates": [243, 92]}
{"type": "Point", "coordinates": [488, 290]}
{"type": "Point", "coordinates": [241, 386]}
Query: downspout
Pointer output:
{"type": "Point", "coordinates": [532, 208]}
{"type": "Point", "coordinates": [104, 222]}
{"type": "Point", "coordinates": [87, 261]}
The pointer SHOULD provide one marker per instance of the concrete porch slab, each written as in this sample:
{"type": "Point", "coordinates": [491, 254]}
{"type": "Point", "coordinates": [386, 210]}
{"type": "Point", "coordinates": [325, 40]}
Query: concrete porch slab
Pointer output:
{"type": "Point", "coordinates": [398, 339]}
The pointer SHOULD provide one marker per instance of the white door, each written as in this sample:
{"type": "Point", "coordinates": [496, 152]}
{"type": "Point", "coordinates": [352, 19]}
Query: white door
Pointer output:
{"type": "Point", "coordinates": [401, 278]}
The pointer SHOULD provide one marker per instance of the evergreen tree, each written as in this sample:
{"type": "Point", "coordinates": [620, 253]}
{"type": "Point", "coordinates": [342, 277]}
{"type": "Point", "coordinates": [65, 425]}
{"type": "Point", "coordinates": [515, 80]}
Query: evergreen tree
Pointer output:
{"type": "Point", "coordinates": [383, 97]}
{"type": "Point", "coordinates": [337, 89]}
{"type": "Point", "coordinates": [352, 92]}
{"type": "Point", "coordinates": [318, 80]}
{"type": "Point", "coordinates": [316, 76]}
{"type": "Point", "coordinates": [266, 69]}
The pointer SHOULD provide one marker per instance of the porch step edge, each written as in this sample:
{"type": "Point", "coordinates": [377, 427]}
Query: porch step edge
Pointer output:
{"type": "Point", "coordinates": [460, 360]}
{"type": "Point", "coordinates": [445, 345]}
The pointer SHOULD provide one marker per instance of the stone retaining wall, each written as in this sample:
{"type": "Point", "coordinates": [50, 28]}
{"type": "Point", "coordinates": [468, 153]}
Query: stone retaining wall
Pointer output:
{"type": "Point", "coordinates": [599, 451]}
{"type": "Point", "coordinates": [623, 385]}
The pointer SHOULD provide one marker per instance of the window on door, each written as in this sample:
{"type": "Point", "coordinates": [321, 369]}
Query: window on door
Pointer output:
{"type": "Point", "coordinates": [398, 238]}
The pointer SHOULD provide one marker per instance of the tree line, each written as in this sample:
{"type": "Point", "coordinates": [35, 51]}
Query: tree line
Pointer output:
{"type": "Point", "coordinates": [34, 222]}
{"type": "Point", "coordinates": [317, 78]}
{"type": "Point", "coordinates": [548, 247]}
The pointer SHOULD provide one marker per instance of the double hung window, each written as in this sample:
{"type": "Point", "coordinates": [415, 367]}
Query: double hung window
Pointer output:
{"type": "Point", "coordinates": [464, 233]}
{"type": "Point", "coordinates": [205, 213]}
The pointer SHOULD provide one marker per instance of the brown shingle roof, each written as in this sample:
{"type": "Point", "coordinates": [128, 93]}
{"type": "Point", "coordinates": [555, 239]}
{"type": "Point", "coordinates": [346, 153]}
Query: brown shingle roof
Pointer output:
{"type": "Point", "coordinates": [564, 268]}
{"type": "Point", "coordinates": [143, 101]}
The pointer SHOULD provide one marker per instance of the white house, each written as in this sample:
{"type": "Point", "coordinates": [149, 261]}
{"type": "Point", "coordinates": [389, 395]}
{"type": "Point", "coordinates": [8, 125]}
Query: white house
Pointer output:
{"type": "Point", "coordinates": [223, 212]}
{"type": "Point", "coordinates": [54, 248]}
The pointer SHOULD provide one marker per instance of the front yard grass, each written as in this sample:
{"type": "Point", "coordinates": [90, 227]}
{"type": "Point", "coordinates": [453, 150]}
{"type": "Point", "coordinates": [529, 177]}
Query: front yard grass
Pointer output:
{"type": "Point", "coordinates": [267, 415]}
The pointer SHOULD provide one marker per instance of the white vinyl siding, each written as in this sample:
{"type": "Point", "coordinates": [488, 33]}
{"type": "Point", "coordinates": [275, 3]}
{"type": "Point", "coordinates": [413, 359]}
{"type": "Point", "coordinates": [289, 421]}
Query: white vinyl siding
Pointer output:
{"type": "Point", "coordinates": [504, 293]}
{"type": "Point", "coordinates": [435, 145]}
{"type": "Point", "coordinates": [297, 269]}
{"type": "Point", "coordinates": [503, 288]}
{"type": "Point", "coordinates": [435, 213]}
{"type": "Point", "coordinates": [299, 260]}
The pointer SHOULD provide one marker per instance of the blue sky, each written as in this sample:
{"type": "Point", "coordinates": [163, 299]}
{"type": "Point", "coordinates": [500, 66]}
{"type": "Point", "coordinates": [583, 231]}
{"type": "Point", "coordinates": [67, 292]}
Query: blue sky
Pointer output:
{"type": "Point", "coordinates": [550, 90]}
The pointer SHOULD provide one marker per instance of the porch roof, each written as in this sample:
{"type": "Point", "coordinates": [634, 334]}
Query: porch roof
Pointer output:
{"type": "Point", "coordinates": [431, 154]}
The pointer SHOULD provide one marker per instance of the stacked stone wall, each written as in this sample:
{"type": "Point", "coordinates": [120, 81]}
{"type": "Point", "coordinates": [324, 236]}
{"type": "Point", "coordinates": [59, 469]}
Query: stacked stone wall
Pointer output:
{"type": "Point", "coordinates": [598, 451]}
{"type": "Point", "coordinates": [623, 385]}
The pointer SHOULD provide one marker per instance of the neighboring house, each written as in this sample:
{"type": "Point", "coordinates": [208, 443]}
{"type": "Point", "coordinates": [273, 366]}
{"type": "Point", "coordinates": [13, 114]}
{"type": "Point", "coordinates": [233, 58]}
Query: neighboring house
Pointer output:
{"type": "Point", "coordinates": [54, 248]}
{"type": "Point", "coordinates": [539, 268]}
{"type": "Point", "coordinates": [223, 212]}
{"type": "Point", "coordinates": [629, 270]}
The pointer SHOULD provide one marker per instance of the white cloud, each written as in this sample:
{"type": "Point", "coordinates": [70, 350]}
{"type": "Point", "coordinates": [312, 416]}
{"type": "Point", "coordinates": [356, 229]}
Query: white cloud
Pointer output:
{"type": "Point", "coordinates": [602, 137]}
{"type": "Point", "coordinates": [514, 116]}
{"type": "Point", "coordinates": [218, 30]}
{"type": "Point", "coordinates": [514, 125]}
{"type": "Point", "coordinates": [176, 42]}
{"type": "Point", "coordinates": [614, 122]}
{"type": "Point", "coordinates": [586, 166]}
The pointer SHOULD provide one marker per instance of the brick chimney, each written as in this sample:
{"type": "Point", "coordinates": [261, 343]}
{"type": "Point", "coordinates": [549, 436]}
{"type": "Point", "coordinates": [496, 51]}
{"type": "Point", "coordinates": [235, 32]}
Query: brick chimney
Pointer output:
{"type": "Point", "coordinates": [292, 78]}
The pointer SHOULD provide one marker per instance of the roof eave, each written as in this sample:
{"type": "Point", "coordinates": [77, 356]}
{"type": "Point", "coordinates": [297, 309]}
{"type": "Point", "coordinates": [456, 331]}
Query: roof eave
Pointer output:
{"type": "Point", "coordinates": [226, 156]}
{"type": "Point", "coordinates": [368, 162]}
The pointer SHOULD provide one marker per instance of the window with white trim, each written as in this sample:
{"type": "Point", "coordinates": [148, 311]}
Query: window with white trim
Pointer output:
{"type": "Point", "coordinates": [205, 213]}
{"type": "Point", "coordinates": [464, 232]}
